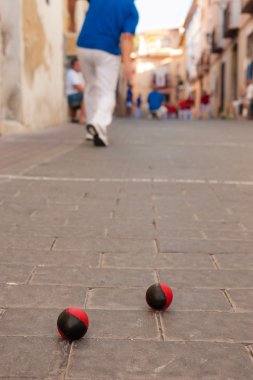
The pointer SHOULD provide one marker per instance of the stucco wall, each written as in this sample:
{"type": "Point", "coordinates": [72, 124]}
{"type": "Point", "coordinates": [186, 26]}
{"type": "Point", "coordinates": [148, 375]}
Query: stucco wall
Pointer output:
{"type": "Point", "coordinates": [11, 116]}
{"type": "Point", "coordinates": [42, 64]}
{"type": "Point", "coordinates": [32, 60]}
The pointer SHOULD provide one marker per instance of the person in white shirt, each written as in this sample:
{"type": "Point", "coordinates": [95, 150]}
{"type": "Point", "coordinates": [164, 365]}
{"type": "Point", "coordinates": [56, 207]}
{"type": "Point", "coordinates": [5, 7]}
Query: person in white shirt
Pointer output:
{"type": "Point", "coordinates": [249, 97]}
{"type": "Point", "coordinates": [75, 90]}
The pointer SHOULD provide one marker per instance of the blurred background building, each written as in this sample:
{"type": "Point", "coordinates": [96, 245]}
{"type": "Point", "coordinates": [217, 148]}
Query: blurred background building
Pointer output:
{"type": "Point", "coordinates": [219, 51]}
{"type": "Point", "coordinates": [211, 50]}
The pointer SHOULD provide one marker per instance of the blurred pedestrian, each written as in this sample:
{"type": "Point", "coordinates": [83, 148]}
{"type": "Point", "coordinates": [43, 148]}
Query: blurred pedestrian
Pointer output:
{"type": "Point", "coordinates": [155, 104]}
{"type": "Point", "coordinates": [138, 107]}
{"type": "Point", "coordinates": [129, 100]}
{"type": "Point", "coordinates": [107, 33]}
{"type": "Point", "coordinates": [75, 90]}
{"type": "Point", "coordinates": [188, 104]}
{"type": "Point", "coordinates": [249, 97]}
{"type": "Point", "coordinates": [172, 111]}
{"type": "Point", "coordinates": [205, 109]}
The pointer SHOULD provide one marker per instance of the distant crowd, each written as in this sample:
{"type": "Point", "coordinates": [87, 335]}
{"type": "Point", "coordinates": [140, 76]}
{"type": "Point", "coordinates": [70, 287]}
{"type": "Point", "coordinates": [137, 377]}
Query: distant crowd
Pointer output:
{"type": "Point", "coordinates": [155, 106]}
{"type": "Point", "coordinates": [159, 108]}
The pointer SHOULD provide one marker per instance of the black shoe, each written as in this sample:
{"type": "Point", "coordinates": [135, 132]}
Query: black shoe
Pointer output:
{"type": "Point", "coordinates": [97, 140]}
{"type": "Point", "coordinates": [91, 130]}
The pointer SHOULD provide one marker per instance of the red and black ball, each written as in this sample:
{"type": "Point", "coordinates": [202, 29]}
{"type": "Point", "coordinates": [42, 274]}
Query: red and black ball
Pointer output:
{"type": "Point", "coordinates": [73, 323]}
{"type": "Point", "coordinates": [159, 296]}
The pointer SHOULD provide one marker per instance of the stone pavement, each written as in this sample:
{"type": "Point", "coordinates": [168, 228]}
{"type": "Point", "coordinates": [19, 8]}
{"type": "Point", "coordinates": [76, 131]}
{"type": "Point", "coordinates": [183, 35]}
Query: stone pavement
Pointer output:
{"type": "Point", "coordinates": [94, 227]}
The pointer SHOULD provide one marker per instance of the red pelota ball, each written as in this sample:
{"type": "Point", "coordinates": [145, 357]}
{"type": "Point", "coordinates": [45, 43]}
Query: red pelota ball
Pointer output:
{"type": "Point", "coordinates": [72, 323]}
{"type": "Point", "coordinates": [159, 296]}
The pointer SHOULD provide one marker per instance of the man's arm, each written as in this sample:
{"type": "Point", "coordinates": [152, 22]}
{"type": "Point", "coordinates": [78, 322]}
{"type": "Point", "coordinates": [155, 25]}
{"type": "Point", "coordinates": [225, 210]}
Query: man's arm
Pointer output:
{"type": "Point", "coordinates": [71, 9]}
{"type": "Point", "coordinates": [78, 87]}
{"type": "Point", "coordinates": [126, 49]}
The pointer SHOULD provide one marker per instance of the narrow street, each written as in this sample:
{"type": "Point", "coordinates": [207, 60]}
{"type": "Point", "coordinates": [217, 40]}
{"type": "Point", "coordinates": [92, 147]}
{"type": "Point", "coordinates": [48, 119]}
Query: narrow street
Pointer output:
{"type": "Point", "coordinates": [88, 227]}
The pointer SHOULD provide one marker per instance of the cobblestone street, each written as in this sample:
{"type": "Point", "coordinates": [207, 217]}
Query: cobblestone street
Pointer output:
{"type": "Point", "coordinates": [90, 227]}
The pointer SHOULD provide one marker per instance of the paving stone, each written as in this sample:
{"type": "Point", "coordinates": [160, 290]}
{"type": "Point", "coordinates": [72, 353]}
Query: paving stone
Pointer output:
{"type": "Point", "coordinates": [105, 245]}
{"type": "Point", "coordinates": [172, 260]}
{"type": "Point", "coordinates": [205, 246]}
{"type": "Point", "coordinates": [123, 324]}
{"type": "Point", "coordinates": [74, 192]}
{"type": "Point", "coordinates": [174, 220]}
{"type": "Point", "coordinates": [134, 230]}
{"type": "Point", "coordinates": [173, 189]}
{"type": "Point", "coordinates": [208, 326]}
{"type": "Point", "coordinates": [12, 273]}
{"type": "Point", "coordinates": [218, 279]}
{"type": "Point", "coordinates": [41, 296]}
{"type": "Point", "coordinates": [226, 235]}
{"type": "Point", "coordinates": [134, 299]}
{"type": "Point", "coordinates": [170, 233]}
{"type": "Point", "coordinates": [242, 299]}
{"type": "Point", "coordinates": [19, 221]}
{"type": "Point", "coordinates": [32, 357]}
{"type": "Point", "coordinates": [219, 225]}
{"type": "Point", "coordinates": [91, 220]}
{"type": "Point", "coordinates": [133, 190]}
{"type": "Point", "coordinates": [96, 277]}
{"type": "Point", "coordinates": [38, 257]}
{"type": "Point", "coordinates": [215, 214]}
{"type": "Point", "coordinates": [48, 229]}
{"type": "Point", "coordinates": [94, 206]}
{"type": "Point", "coordinates": [29, 322]}
{"type": "Point", "coordinates": [249, 234]}
{"type": "Point", "coordinates": [159, 360]}
{"type": "Point", "coordinates": [26, 241]}
{"type": "Point", "coordinates": [135, 215]}
{"type": "Point", "coordinates": [235, 261]}
{"type": "Point", "coordinates": [116, 299]}
{"type": "Point", "coordinates": [30, 207]}
{"type": "Point", "coordinates": [14, 210]}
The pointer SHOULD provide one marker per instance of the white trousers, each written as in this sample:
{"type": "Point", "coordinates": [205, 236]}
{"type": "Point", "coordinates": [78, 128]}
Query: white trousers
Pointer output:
{"type": "Point", "coordinates": [101, 71]}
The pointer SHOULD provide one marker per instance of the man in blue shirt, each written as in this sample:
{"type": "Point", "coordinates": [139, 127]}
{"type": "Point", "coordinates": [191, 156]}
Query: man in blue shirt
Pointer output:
{"type": "Point", "coordinates": [155, 103]}
{"type": "Point", "coordinates": [106, 36]}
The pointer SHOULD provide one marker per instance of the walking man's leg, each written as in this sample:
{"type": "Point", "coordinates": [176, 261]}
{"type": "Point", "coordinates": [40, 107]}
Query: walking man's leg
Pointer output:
{"type": "Point", "coordinates": [107, 72]}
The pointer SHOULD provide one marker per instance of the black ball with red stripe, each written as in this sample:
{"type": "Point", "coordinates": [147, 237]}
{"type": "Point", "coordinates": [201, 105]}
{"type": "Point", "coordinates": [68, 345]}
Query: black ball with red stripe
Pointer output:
{"type": "Point", "coordinates": [159, 296]}
{"type": "Point", "coordinates": [72, 323]}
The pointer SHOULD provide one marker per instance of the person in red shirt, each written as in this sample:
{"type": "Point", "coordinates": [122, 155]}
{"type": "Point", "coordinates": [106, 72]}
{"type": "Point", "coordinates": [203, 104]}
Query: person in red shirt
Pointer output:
{"type": "Point", "coordinates": [188, 104]}
{"type": "Point", "coordinates": [172, 111]}
{"type": "Point", "coordinates": [205, 109]}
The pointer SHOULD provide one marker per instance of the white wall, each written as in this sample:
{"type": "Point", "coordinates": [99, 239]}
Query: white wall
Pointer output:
{"type": "Point", "coordinates": [32, 84]}
{"type": "Point", "coordinates": [42, 64]}
{"type": "Point", "coordinates": [11, 115]}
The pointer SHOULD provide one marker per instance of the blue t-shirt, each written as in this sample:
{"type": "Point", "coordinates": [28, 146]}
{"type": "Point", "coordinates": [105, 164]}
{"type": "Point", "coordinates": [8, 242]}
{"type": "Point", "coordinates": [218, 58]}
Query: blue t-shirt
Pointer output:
{"type": "Point", "coordinates": [155, 100]}
{"type": "Point", "coordinates": [105, 21]}
{"type": "Point", "coordinates": [129, 96]}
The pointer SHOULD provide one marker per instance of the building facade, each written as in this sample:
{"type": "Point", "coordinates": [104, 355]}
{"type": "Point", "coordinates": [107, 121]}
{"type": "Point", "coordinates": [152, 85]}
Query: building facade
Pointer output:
{"type": "Point", "coordinates": [222, 63]}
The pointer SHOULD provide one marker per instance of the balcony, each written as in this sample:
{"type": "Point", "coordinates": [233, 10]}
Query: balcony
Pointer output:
{"type": "Point", "coordinates": [231, 19]}
{"type": "Point", "coordinates": [217, 43]}
{"type": "Point", "coordinates": [247, 6]}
